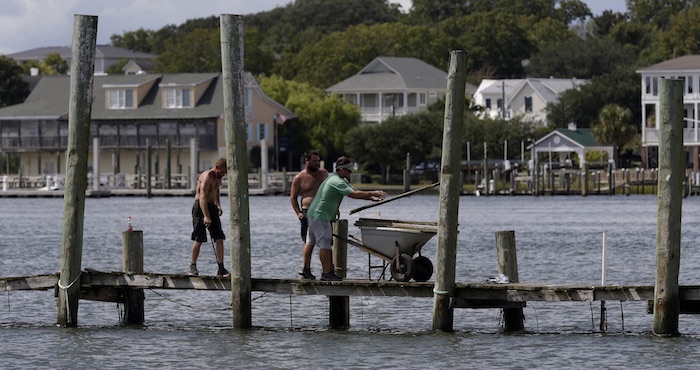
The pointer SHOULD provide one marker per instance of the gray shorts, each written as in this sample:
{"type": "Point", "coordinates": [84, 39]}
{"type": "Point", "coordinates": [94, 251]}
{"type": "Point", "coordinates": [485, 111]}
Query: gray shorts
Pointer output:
{"type": "Point", "coordinates": [320, 234]}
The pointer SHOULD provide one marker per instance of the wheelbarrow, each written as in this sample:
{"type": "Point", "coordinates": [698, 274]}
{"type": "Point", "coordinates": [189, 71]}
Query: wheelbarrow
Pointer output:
{"type": "Point", "coordinates": [396, 242]}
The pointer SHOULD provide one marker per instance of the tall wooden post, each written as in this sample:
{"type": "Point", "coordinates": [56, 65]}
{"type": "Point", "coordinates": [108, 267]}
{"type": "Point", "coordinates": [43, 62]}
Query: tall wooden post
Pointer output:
{"type": "Point", "coordinates": [132, 263]}
{"type": "Point", "coordinates": [168, 167]}
{"type": "Point", "coordinates": [584, 182]}
{"type": "Point", "coordinates": [149, 160]}
{"type": "Point", "coordinates": [508, 266]}
{"type": "Point", "coordinates": [339, 311]}
{"type": "Point", "coordinates": [80, 108]}
{"type": "Point", "coordinates": [407, 174]}
{"type": "Point", "coordinates": [237, 160]}
{"type": "Point", "coordinates": [450, 186]}
{"type": "Point", "coordinates": [194, 164]}
{"type": "Point", "coordinates": [96, 164]}
{"type": "Point", "coordinates": [669, 202]}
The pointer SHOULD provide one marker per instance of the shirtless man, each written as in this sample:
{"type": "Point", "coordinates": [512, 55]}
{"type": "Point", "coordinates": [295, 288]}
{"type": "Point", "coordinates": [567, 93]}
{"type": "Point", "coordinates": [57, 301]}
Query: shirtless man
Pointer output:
{"type": "Point", "coordinates": [304, 185]}
{"type": "Point", "coordinates": [206, 213]}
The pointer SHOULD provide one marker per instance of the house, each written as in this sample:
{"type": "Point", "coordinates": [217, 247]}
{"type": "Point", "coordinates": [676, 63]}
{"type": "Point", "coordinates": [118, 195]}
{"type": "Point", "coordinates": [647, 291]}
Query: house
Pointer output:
{"type": "Point", "coordinates": [130, 113]}
{"type": "Point", "coordinates": [525, 98]}
{"type": "Point", "coordinates": [393, 86]}
{"type": "Point", "coordinates": [687, 69]}
{"type": "Point", "coordinates": [105, 56]}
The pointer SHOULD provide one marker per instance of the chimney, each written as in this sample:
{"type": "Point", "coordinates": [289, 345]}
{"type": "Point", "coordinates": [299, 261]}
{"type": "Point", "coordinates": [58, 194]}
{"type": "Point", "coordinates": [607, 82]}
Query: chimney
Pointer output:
{"type": "Point", "coordinates": [34, 71]}
{"type": "Point", "coordinates": [572, 126]}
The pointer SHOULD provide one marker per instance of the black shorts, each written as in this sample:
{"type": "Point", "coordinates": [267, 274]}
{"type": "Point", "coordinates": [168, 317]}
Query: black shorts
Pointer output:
{"type": "Point", "coordinates": [200, 230]}
{"type": "Point", "coordinates": [304, 225]}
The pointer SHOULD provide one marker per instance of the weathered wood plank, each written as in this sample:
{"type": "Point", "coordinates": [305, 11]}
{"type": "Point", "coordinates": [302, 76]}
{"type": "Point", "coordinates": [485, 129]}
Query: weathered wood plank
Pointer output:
{"type": "Point", "coordinates": [511, 292]}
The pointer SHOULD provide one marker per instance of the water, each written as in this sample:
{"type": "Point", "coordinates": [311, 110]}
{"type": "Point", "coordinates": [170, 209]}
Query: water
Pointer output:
{"type": "Point", "coordinates": [558, 242]}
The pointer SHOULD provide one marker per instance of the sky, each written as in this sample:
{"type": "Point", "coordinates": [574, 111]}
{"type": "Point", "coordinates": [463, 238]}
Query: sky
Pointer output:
{"type": "Point", "coordinates": [30, 24]}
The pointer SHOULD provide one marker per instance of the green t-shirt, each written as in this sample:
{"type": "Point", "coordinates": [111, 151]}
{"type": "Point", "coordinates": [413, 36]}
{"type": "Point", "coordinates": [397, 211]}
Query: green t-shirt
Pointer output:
{"type": "Point", "coordinates": [328, 198]}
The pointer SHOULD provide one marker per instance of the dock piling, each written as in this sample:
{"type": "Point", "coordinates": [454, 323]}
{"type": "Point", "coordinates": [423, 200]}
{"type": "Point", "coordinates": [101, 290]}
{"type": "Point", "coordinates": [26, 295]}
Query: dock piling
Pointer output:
{"type": "Point", "coordinates": [450, 188]}
{"type": "Point", "coordinates": [339, 311]}
{"type": "Point", "coordinates": [508, 266]}
{"type": "Point", "coordinates": [132, 263]}
{"type": "Point", "coordinates": [79, 118]}
{"type": "Point", "coordinates": [669, 202]}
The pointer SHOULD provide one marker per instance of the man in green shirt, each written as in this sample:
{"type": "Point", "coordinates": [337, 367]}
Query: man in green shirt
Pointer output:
{"type": "Point", "coordinates": [324, 208]}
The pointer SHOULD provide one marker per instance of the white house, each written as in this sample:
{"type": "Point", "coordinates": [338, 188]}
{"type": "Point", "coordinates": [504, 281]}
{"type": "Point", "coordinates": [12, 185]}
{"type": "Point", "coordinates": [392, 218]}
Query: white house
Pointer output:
{"type": "Point", "coordinates": [393, 86]}
{"type": "Point", "coordinates": [687, 69]}
{"type": "Point", "coordinates": [527, 98]}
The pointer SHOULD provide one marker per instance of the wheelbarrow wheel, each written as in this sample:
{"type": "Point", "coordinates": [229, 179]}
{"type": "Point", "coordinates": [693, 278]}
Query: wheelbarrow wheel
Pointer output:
{"type": "Point", "coordinates": [404, 270]}
{"type": "Point", "coordinates": [423, 269]}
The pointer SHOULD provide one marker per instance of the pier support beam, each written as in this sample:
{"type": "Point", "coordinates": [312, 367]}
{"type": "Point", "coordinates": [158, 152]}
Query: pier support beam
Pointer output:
{"type": "Point", "coordinates": [508, 266]}
{"type": "Point", "coordinates": [79, 118]}
{"type": "Point", "coordinates": [237, 163]}
{"type": "Point", "coordinates": [450, 188]}
{"type": "Point", "coordinates": [132, 263]}
{"type": "Point", "coordinates": [339, 315]}
{"type": "Point", "coordinates": [669, 202]}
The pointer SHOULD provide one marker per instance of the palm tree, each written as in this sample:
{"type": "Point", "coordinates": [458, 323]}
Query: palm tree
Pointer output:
{"type": "Point", "coordinates": [615, 127]}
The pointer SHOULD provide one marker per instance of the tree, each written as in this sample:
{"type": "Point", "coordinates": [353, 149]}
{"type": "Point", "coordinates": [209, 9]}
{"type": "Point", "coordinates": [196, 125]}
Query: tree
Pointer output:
{"type": "Point", "coordinates": [580, 58]}
{"type": "Point", "coordinates": [658, 12]}
{"type": "Point", "coordinates": [56, 64]}
{"type": "Point", "coordinates": [13, 90]}
{"type": "Point", "coordinates": [196, 52]}
{"type": "Point", "coordinates": [583, 105]}
{"type": "Point", "coordinates": [614, 127]}
{"type": "Point", "coordinates": [492, 39]}
{"type": "Point", "coordinates": [382, 147]}
{"type": "Point", "coordinates": [342, 54]}
{"type": "Point", "coordinates": [679, 39]}
{"type": "Point", "coordinates": [140, 40]}
{"type": "Point", "coordinates": [322, 119]}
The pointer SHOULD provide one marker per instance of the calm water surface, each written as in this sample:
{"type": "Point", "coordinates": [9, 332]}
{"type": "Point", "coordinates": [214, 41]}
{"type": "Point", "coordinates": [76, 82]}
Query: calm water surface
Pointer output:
{"type": "Point", "coordinates": [558, 241]}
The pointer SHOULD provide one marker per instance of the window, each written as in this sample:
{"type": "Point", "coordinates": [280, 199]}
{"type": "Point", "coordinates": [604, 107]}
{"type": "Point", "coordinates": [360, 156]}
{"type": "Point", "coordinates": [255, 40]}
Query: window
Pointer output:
{"type": "Point", "coordinates": [528, 104]}
{"type": "Point", "coordinates": [262, 131]}
{"type": "Point", "coordinates": [350, 98]}
{"type": "Point", "coordinates": [689, 84]}
{"type": "Point", "coordinates": [249, 131]}
{"type": "Point", "coordinates": [177, 98]}
{"type": "Point", "coordinates": [422, 99]}
{"type": "Point", "coordinates": [499, 103]}
{"type": "Point", "coordinates": [249, 98]}
{"type": "Point", "coordinates": [488, 103]}
{"type": "Point", "coordinates": [655, 86]}
{"type": "Point", "coordinates": [121, 99]}
{"type": "Point", "coordinates": [647, 85]}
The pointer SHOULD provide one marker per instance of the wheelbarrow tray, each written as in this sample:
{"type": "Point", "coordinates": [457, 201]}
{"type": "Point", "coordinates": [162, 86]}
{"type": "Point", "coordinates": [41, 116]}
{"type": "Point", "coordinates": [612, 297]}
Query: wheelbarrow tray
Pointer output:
{"type": "Point", "coordinates": [380, 237]}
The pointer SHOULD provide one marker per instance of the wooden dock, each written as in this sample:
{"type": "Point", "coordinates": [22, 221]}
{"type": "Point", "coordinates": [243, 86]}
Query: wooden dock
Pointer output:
{"type": "Point", "coordinates": [101, 286]}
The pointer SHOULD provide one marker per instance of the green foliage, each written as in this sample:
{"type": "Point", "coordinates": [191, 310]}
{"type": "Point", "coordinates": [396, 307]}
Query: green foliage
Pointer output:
{"type": "Point", "coordinates": [198, 51]}
{"type": "Point", "coordinates": [323, 118]}
{"type": "Point", "coordinates": [580, 58]}
{"type": "Point", "coordinates": [382, 147]}
{"type": "Point", "coordinates": [615, 127]}
{"type": "Point", "coordinates": [141, 40]}
{"type": "Point", "coordinates": [116, 68]}
{"type": "Point", "coordinates": [52, 64]}
{"type": "Point", "coordinates": [13, 90]}
{"type": "Point", "coordinates": [493, 40]}
{"type": "Point", "coordinates": [582, 106]}
{"type": "Point", "coordinates": [342, 54]}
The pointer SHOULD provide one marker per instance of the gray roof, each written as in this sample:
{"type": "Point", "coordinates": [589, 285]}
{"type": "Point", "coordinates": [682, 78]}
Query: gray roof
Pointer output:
{"type": "Point", "coordinates": [394, 73]}
{"type": "Point", "coordinates": [50, 98]}
{"type": "Point", "coordinates": [101, 51]}
{"type": "Point", "coordinates": [684, 63]}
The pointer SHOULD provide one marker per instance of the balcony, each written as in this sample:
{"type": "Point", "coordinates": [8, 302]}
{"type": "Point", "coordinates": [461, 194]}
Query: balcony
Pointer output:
{"type": "Point", "coordinates": [691, 137]}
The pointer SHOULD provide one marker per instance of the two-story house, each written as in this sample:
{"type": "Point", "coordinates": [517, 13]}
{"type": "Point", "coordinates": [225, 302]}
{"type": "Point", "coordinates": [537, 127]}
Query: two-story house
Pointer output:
{"type": "Point", "coordinates": [129, 111]}
{"type": "Point", "coordinates": [105, 56]}
{"type": "Point", "coordinates": [393, 86]}
{"type": "Point", "coordinates": [687, 69]}
{"type": "Point", "coordinates": [525, 98]}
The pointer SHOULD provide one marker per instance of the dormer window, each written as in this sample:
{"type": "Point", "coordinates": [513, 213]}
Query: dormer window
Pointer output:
{"type": "Point", "coordinates": [178, 98]}
{"type": "Point", "coordinates": [121, 99]}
